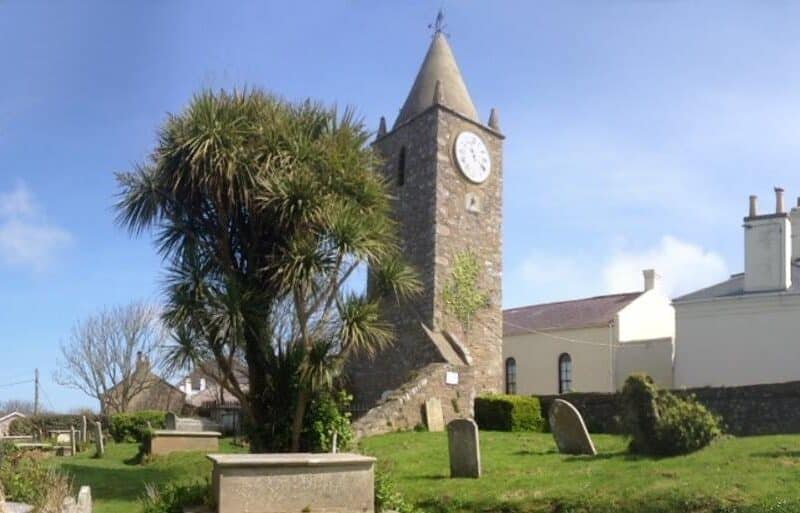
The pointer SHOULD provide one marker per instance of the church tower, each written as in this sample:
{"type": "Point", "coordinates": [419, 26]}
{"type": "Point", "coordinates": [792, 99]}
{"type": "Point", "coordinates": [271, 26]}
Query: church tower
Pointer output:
{"type": "Point", "coordinates": [444, 169]}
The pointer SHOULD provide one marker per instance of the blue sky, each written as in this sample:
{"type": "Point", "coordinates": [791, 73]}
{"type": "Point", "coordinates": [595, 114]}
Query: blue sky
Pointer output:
{"type": "Point", "coordinates": [635, 132]}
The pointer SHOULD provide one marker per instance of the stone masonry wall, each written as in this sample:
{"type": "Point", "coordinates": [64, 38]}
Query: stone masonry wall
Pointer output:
{"type": "Point", "coordinates": [404, 408]}
{"type": "Point", "coordinates": [436, 226]}
{"type": "Point", "coordinates": [413, 206]}
{"type": "Point", "coordinates": [460, 230]}
{"type": "Point", "coordinates": [746, 410]}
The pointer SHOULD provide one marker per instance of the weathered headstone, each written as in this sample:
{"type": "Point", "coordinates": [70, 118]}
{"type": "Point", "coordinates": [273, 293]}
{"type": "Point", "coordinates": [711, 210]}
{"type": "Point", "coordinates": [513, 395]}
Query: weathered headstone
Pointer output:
{"type": "Point", "coordinates": [433, 414]}
{"type": "Point", "coordinates": [83, 430]}
{"type": "Point", "coordinates": [171, 421]}
{"type": "Point", "coordinates": [98, 439]}
{"type": "Point", "coordinates": [569, 429]}
{"type": "Point", "coordinates": [69, 505]}
{"type": "Point", "coordinates": [464, 447]}
{"type": "Point", "coordinates": [174, 423]}
{"type": "Point", "coordinates": [73, 437]}
{"type": "Point", "coordinates": [85, 500]}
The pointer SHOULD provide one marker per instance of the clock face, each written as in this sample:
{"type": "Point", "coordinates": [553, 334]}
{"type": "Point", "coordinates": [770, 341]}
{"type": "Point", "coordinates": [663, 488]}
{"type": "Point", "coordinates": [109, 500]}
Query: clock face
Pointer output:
{"type": "Point", "coordinates": [472, 157]}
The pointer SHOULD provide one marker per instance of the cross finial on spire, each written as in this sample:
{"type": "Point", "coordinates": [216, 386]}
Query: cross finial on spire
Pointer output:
{"type": "Point", "coordinates": [438, 25]}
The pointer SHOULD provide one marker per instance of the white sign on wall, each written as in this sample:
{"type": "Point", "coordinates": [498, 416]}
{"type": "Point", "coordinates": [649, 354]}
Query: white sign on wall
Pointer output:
{"type": "Point", "coordinates": [451, 378]}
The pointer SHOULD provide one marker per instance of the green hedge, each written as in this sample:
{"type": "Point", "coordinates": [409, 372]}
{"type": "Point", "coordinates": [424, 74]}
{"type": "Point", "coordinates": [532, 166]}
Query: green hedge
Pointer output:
{"type": "Point", "coordinates": [132, 427]}
{"type": "Point", "coordinates": [509, 413]}
{"type": "Point", "coordinates": [48, 422]}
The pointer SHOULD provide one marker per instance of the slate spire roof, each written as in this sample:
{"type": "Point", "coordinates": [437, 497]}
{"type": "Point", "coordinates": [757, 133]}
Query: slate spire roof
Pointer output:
{"type": "Point", "coordinates": [439, 66]}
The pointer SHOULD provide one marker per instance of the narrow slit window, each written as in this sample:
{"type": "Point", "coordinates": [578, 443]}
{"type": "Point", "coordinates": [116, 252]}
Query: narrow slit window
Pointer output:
{"type": "Point", "coordinates": [401, 167]}
{"type": "Point", "coordinates": [564, 373]}
{"type": "Point", "coordinates": [511, 376]}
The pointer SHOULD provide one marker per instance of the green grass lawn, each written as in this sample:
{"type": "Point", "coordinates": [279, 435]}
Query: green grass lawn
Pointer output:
{"type": "Point", "coordinates": [118, 480]}
{"type": "Point", "coordinates": [523, 472]}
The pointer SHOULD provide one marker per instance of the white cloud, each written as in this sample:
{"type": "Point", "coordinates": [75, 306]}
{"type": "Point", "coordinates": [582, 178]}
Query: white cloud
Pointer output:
{"type": "Point", "coordinates": [546, 277]}
{"type": "Point", "coordinates": [27, 239]}
{"type": "Point", "coordinates": [683, 267]}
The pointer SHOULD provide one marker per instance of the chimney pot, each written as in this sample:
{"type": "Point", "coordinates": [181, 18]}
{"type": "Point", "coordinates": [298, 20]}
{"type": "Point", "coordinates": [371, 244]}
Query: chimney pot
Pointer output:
{"type": "Point", "coordinates": [779, 208]}
{"type": "Point", "coordinates": [650, 279]}
{"type": "Point", "coordinates": [753, 205]}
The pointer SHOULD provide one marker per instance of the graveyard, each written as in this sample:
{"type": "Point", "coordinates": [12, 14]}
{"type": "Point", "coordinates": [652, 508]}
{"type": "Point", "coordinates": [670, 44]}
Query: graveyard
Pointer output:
{"type": "Point", "coordinates": [522, 472]}
{"type": "Point", "coordinates": [294, 300]}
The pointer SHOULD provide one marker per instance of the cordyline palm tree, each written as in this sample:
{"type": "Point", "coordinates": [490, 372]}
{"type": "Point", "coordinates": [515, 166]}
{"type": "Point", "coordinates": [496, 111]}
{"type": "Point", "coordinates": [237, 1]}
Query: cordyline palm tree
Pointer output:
{"type": "Point", "coordinates": [263, 210]}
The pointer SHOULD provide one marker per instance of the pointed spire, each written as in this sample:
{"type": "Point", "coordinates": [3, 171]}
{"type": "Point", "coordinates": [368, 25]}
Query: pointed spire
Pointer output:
{"type": "Point", "coordinates": [494, 120]}
{"type": "Point", "coordinates": [438, 94]}
{"type": "Point", "coordinates": [439, 66]}
{"type": "Point", "coordinates": [382, 127]}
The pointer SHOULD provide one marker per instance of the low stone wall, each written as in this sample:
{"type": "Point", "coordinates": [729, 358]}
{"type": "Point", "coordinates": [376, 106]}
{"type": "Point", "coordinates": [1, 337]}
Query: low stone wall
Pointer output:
{"type": "Point", "coordinates": [165, 441]}
{"type": "Point", "coordinates": [746, 410]}
{"type": "Point", "coordinates": [404, 408]}
{"type": "Point", "coordinates": [277, 483]}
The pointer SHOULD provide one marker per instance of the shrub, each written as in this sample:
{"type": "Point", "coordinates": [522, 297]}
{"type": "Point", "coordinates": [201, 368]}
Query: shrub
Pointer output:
{"type": "Point", "coordinates": [327, 415]}
{"type": "Point", "coordinates": [662, 424]}
{"type": "Point", "coordinates": [172, 497]}
{"type": "Point", "coordinates": [509, 413]}
{"type": "Point", "coordinates": [26, 477]}
{"type": "Point", "coordinates": [387, 497]}
{"type": "Point", "coordinates": [132, 427]}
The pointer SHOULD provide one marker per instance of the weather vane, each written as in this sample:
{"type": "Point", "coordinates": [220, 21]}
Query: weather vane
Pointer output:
{"type": "Point", "coordinates": [438, 26]}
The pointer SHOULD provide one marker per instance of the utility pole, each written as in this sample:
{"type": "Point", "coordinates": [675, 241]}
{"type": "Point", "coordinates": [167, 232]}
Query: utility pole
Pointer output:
{"type": "Point", "coordinates": [36, 392]}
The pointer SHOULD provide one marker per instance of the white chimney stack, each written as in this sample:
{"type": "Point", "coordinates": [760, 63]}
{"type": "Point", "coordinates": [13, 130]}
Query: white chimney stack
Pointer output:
{"type": "Point", "coordinates": [794, 217]}
{"type": "Point", "coordinates": [779, 208]}
{"type": "Point", "coordinates": [768, 247]}
{"type": "Point", "coordinates": [651, 279]}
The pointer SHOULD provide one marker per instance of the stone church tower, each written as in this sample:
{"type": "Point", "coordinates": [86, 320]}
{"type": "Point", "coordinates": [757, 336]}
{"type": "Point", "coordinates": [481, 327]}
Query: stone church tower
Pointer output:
{"type": "Point", "coordinates": [444, 167]}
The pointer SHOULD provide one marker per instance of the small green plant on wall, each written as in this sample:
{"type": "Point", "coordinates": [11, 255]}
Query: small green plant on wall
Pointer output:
{"type": "Point", "coordinates": [463, 299]}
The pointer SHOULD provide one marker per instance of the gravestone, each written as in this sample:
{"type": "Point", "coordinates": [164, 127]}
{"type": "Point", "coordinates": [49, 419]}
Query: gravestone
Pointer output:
{"type": "Point", "coordinates": [83, 430]}
{"type": "Point", "coordinates": [569, 429]}
{"type": "Point", "coordinates": [433, 414]}
{"type": "Point", "coordinates": [85, 500]}
{"type": "Point", "coordinates": [98, 438]}
{"type": "Point", "coordinates": [170, 421]}
{"type": "Point", "coordinates": [174, 423]}
{"type": "Point", "coordinates": [464, 447]}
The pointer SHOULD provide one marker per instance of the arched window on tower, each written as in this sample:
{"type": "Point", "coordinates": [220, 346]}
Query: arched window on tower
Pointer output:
{"type": "Point", "coordinates": [564, 373]}
{"type": "Point", "coordinates": [511, 376]}
{"type": "Point", "coordinates": [401, 167]}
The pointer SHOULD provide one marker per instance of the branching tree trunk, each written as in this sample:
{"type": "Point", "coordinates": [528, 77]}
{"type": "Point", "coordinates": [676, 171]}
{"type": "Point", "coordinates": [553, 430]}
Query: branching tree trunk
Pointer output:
{"type": "Point", "coordinates": [263, 210]}
{"type": "Point", "coordinates": [109, 355]}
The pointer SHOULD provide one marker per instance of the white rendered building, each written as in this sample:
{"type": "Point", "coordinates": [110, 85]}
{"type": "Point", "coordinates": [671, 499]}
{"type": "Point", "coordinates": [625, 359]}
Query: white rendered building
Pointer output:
{"type": "Point", "coordinates": [746, 330]}
{"type": "Point", "coordinates": [589, 345]}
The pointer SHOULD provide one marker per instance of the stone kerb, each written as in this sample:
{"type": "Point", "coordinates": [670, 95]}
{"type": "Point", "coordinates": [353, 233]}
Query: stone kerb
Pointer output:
{"type": "Point", "coordinates": [164, 441]}
{"type": "Point", "coordinates": [277, 483]}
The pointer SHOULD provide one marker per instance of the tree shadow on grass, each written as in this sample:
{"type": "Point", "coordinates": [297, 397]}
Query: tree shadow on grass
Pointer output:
{"type": "Point", "coordinates": [776, 454]}
{"type": "Point", "coordinates": [528, 452]}
{"type": "Point", "coordinates": [127, 484]}
{"type": "Point", "coordinates": [619, 455]}
{"type": "Point", "coordinates": [431, 477]}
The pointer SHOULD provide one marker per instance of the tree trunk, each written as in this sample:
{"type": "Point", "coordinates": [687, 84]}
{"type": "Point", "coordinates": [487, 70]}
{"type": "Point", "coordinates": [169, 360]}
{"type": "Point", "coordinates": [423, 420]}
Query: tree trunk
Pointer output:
{"type": "Point", "coordinates": [297, 419]}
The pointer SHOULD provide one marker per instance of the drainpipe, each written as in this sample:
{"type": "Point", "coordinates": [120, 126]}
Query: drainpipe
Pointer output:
{"type": "Point", "coordinates": [611, 355]}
